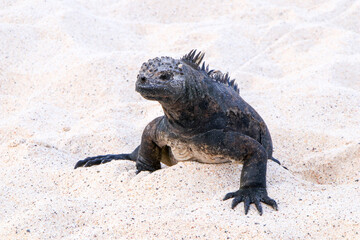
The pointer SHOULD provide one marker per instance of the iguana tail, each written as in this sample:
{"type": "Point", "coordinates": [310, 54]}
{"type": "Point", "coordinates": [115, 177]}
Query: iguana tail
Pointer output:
{"type": "Point", "coordinates": [278, 162]}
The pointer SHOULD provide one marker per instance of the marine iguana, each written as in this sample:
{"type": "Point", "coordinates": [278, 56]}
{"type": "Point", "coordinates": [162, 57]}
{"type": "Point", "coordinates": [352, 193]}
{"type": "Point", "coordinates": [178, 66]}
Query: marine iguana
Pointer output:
{"type": "Point", "coordinates": [205, 120]}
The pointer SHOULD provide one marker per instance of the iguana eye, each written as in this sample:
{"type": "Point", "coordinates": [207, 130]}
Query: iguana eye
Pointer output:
{"type": "Point", "coordinates": [165, 76]}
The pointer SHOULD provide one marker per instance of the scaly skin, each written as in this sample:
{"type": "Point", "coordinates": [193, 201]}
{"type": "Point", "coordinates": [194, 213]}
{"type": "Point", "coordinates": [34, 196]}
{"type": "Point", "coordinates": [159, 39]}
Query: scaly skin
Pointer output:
{"type": "Point", "coordinates": [205, 120]}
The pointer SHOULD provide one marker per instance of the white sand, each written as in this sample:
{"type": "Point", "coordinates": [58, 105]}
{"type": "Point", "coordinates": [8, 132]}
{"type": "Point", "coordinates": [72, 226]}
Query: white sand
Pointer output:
{"type": "Point", "coordinates": [67, 74]}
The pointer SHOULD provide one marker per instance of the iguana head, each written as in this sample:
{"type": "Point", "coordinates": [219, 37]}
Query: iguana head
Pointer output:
{"type": "Point", "coordinates": [162, 79]}
{"type": "Point", "coordinates": [183, 87]}
{"type": "Point", "coordinates": [169, 80]}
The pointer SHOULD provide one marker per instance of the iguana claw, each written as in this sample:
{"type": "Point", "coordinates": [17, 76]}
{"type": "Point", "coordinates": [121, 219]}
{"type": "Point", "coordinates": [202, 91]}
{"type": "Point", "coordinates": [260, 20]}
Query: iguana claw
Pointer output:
{"type": "Point", "coordinates": [90, 161]}
{"type": "Point", "coordinates": [251, 195]}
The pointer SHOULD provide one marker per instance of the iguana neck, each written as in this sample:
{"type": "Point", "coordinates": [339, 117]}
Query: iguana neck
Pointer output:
{"type": "Point", "coordinates": [182, 118]}
{"type": "Point", "coordinates": [189, 116]}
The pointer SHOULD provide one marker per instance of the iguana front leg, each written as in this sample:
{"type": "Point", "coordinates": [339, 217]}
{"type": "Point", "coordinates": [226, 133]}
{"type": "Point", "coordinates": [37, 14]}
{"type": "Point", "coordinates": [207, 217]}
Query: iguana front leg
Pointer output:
{"type": "Point", "coordinates": [101, 159]}
{"type": "Point", "coordinates": [149, 155]}
{"type": "Point", "coordinates": [253, 176]}
{"type": "Point", "coordinates": [252, 185]}
{"type": "Point", "coordinates": [252, 154]}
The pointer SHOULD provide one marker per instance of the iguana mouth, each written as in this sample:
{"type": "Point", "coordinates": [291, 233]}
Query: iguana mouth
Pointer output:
{"type": "Point", "coordinates": [150, 91]}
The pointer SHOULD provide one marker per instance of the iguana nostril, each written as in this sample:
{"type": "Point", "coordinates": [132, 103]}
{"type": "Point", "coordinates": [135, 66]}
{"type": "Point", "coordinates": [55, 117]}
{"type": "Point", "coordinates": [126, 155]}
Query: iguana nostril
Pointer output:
{"type": "Point", "coordinates": [143, 79]}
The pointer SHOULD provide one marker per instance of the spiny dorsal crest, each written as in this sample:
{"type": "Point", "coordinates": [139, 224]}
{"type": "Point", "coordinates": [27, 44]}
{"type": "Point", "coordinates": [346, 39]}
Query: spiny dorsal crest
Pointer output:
{"type": "Point", "coordinates": [194, 60]}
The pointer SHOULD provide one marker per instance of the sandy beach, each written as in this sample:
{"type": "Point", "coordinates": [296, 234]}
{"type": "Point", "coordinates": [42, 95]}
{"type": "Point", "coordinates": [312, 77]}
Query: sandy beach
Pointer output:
{"type": "Point", "coordinates": [67, 91]}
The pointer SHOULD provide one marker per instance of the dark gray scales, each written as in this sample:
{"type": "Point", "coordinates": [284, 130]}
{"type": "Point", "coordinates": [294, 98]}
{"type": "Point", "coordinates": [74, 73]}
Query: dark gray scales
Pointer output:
{"type": "Point", "coordinates": [205, 120]}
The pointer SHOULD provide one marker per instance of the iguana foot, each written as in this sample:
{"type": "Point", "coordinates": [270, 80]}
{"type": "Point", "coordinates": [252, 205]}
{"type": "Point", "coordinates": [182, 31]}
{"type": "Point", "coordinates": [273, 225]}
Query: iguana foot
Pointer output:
{"type": "Point", "coordinates": [251, 195]}
{"type": "Point", "coordinates": [142, 165]}
{"type": "Point", "coordinates": [90, 161]}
